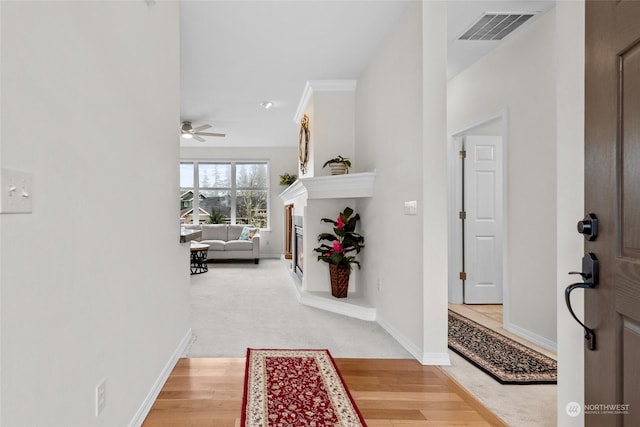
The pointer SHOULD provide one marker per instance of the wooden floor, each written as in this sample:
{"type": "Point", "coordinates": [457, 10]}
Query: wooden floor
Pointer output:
{"type": "Point", "coordinates": [493, 311]}
{"type": "Point", "coordinates": [388, 392]}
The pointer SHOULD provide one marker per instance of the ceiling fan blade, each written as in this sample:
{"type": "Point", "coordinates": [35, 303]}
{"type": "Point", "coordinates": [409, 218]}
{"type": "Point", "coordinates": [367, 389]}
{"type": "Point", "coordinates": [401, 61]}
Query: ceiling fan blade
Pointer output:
{"type": "Point", "coordinates": [198, 138]}
{"type": "Point", "coordinates": [200, 128]}
{"type": "Point", "coordinates": [212, 134]}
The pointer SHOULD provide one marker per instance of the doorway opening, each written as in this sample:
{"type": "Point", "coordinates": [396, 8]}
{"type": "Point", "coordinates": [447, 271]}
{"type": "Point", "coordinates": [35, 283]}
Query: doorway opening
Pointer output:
{"type": "Point", "coordinates": [477, 207]}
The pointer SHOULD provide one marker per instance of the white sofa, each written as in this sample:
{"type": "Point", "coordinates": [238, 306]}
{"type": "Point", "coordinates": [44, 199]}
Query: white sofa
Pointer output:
{"type": "Point", "coordinates": [225, 243]}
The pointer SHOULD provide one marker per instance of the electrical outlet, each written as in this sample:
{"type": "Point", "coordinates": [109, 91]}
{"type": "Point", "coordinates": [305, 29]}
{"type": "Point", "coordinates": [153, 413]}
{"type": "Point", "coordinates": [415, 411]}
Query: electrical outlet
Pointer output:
{"type": "Point", "coordinates": [411, 207]}
{"type": "Point", "coordinates": [101, 397]}
{"type": "Point", "coordinates": [16, 190]}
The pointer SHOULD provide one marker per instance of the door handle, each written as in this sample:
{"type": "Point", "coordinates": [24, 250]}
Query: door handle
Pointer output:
{"type": "Point", "coordinates": [589, 334]}
{"type": "Point", "coordinates": [590, 275]}
{"type": "Point", "coordinates": [590, 270]}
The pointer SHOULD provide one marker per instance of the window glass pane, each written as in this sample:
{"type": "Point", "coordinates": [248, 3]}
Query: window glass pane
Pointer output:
{"type": "Point", "coordinates": [186, 175]}
{"type": "Point", "coordinates": [251, 208]}
{"type": "Point", "coordinates": [216, 193]}
{"type": "Point", "coordinates": [251, 175]}
{"type": "Point", "coordinates": [215, 207]}
{"type": "Point", "coordinates": [186, 206]}
{"type": "Point", "coordinates": [214, 175]}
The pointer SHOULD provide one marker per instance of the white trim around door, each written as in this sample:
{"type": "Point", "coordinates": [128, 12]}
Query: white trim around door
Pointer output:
{"type": "Point", "coordinates": [498, 123]}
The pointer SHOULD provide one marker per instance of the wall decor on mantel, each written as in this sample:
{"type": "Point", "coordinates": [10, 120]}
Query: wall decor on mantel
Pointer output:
{"type": "Point", "coordinates": [303, 143]}
{"type": "Point", "coordinates": [327, 106]}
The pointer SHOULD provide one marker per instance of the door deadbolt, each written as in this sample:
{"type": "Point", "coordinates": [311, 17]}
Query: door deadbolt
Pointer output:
{"type": "Point", "coordinates": [589, 227]}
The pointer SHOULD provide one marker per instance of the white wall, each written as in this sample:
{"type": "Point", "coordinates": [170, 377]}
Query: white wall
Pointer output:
{"type": "Point", "coordinates": [94, 284]}
{"type": "Point", "coordinates": [392, 140]}
{"type": "Point", "coordinates": [570, 199]}
{"type": "Point", "coordinates": [389, 141]}
{"type": "Point", "coordinates": [519, 76]}
{"type": "Point", "coordinates": [434, 183]}
{"type": "Point", "coordinates": [332, 128]}
{"type": "Point", "coordinates": [281, 160]}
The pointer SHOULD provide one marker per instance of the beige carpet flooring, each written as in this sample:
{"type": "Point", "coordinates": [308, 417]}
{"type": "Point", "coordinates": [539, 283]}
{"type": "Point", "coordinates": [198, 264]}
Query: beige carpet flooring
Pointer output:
{"type": "Point", "coordinates": [518, 405]}
{"type": "Point", "coordinates": [240, 305]}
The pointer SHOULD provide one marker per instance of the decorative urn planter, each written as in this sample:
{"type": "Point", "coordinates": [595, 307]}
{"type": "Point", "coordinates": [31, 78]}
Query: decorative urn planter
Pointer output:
{"type": "Point", "coordinates": [339, 275]}
{"type": "Point", "coordinates": [338, 165]}
{"type": "Point", "coordinates": [338, 168]}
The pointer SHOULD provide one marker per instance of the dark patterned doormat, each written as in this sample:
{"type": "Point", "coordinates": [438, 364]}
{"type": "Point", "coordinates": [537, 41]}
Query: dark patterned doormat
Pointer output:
{"type": "Point", "coordinates": [506, 360]}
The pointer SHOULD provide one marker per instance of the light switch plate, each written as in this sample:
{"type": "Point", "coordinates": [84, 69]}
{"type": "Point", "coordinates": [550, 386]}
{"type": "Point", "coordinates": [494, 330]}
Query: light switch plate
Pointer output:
{"type": "Point", "coordinates": [411, 207]}
{"type": "Point", "coordinates": [17, 189]}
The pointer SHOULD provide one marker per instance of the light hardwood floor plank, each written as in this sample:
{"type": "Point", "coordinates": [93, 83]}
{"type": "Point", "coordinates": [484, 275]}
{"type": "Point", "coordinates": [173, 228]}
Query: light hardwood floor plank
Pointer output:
{"type": "Point", "coordinates": [389, 393]}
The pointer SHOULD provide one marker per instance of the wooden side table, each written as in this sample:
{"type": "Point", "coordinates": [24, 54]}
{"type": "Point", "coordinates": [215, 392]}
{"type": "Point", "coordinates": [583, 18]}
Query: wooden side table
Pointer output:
{"type": "Point", "coordinates": [199, 258]}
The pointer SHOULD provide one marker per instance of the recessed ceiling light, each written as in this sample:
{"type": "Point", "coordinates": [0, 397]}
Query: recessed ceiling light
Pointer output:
{"type": "Point", "coordinates": [266, 104]}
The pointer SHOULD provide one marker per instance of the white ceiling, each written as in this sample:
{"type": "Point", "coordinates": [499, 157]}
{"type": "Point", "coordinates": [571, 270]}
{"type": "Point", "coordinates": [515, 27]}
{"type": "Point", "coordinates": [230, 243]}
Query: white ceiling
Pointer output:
{"type": "Point", "coordinates": [237, 54]}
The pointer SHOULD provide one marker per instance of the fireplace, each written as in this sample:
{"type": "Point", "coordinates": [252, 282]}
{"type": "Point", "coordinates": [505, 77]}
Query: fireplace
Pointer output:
{"type": "Point", "coordinates": [298, 251]}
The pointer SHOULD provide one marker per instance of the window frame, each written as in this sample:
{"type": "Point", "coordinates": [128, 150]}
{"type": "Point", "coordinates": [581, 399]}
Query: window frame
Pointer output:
{"type": "Point", "coordinates": [233, 189]}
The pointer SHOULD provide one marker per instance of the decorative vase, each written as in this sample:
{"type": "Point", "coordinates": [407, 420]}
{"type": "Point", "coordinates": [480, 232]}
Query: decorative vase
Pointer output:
{"type": "Point", "coordinates": [339, 280]}
{"type": "Point", "coordinates": [338, 168]}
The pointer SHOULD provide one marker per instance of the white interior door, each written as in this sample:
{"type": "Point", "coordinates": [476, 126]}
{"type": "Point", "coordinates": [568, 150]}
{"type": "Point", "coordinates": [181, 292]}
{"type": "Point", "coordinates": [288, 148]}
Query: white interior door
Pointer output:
{"type": "Point", "coordinates": [483, 182]}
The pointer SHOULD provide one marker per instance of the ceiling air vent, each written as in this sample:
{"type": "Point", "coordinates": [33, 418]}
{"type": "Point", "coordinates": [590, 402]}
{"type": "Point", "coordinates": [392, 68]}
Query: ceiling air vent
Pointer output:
{"type": "Point", "coordinates": [495, 26]}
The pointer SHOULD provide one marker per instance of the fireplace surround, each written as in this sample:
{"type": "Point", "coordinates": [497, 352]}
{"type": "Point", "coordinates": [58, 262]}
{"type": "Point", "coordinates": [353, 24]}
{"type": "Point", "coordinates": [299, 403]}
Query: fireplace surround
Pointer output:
{"type": "Point", "coordinates": [314, 198]}
{"type": "Point", "coordinates": [298, 246]}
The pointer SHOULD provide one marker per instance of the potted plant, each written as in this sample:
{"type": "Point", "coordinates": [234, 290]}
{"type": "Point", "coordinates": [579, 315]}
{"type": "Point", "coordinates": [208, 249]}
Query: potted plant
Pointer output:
{"type": "Point", "coordinates": [216, 217]}
{"type": "Point", "coordinates": [340, 250]}
{"type": "Point", "coordinates": [287, 178]}
{"type": "Point", "coordinates": [339, 165]}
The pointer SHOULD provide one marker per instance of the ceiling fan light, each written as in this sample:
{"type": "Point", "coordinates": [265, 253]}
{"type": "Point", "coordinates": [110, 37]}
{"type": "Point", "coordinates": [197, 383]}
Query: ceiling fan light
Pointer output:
{"type": "Point", "coordinates": [187, 135]}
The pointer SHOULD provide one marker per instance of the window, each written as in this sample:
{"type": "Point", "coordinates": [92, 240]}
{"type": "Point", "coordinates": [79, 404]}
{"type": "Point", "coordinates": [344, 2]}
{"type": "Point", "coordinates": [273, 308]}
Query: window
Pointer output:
{"type": "Point", "coordinates": [224, 192]}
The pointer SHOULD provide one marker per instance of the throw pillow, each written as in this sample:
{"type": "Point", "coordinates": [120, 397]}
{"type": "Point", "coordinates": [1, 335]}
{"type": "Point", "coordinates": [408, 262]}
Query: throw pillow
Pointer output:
{"type": "Point", "coordinates": [252, 232]}
{"type": "Point", "coordinates": [248, 233]}
{"type": "Point", "coordinates": [244, 235]}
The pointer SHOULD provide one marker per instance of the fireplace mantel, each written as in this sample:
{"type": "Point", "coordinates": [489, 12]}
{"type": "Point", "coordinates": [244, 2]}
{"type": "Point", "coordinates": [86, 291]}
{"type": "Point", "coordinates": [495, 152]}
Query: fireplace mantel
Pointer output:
{"type": "Point", "coordinates": [348, 186]}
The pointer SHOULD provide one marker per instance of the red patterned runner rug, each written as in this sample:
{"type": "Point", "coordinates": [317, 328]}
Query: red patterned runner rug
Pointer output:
{"type": "Point", "coordinates": [296, 388]}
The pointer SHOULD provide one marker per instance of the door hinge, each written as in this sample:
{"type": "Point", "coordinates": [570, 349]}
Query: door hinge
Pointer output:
{"type": "Point", "coordinates": [463, 275]}
{"type": "Point", "coordinates": [462, 154]}
{"type": "Point", "coordinates": [463, 215]}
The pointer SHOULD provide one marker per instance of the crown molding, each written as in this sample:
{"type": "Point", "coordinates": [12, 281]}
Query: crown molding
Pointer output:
{"type": "Point", "coordinates": [321, 85]}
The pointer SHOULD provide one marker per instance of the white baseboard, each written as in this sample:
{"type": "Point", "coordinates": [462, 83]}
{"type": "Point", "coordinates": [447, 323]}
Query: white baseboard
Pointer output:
{"type": "Point", "coordinates": [440, 359]}
{"type": "Point", "coordinates": [142, 413]}
{"type": "Point", "coordinates": [415, 351]}
{"type": "Point", "coordinates": [533, 337]}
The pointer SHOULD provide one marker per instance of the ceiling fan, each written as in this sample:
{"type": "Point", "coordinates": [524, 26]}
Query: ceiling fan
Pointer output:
{"type": "Point", "coordinates": [188, 131]}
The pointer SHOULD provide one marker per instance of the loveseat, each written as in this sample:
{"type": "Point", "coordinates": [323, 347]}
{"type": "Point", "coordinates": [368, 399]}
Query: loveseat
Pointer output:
{"type": "Point", "coordinates": [229, 241]}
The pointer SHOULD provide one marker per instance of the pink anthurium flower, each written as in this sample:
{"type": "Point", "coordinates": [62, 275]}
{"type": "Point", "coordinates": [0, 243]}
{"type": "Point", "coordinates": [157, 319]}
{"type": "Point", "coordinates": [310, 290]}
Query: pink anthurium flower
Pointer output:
{"type": "Point", "coordinates": [340, 247]}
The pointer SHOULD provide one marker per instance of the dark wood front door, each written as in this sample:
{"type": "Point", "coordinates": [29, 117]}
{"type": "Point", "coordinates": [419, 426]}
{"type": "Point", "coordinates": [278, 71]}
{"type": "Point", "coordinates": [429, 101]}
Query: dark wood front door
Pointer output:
{"type": "Point", "coordinates": [612, 192]}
